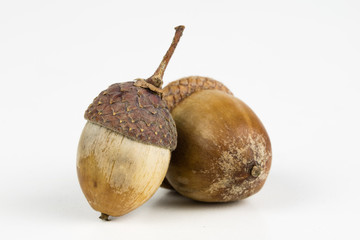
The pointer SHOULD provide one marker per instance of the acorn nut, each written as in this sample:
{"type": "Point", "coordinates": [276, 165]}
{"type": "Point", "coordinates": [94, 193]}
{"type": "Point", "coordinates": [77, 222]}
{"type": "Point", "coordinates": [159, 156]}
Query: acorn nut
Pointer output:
{"type": "Point", "coordinates": [125, 147]}
{"type": "Point", "coordinates": [223, 152]}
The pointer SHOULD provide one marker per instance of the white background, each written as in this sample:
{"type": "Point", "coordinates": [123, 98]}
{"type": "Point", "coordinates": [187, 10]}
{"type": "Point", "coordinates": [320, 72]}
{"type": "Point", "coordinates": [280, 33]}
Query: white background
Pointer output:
{"type": "Point", "coordinates": [296, 63]}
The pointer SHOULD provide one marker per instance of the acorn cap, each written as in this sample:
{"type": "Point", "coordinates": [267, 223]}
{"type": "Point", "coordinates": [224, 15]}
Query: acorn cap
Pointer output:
{"type": "Point", "coordinates": [178, 90]}
{"type": "Point", "coordinates": [136, 113]}
{"type": "Point", "coordinates": [136, 110]}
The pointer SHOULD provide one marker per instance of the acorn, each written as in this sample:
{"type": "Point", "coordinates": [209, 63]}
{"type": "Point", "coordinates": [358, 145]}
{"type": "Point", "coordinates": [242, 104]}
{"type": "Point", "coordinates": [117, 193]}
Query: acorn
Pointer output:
{"type": "Point", "coordinates": [223, 152]}
{"type": "Point", "coordinates": [125, 147]}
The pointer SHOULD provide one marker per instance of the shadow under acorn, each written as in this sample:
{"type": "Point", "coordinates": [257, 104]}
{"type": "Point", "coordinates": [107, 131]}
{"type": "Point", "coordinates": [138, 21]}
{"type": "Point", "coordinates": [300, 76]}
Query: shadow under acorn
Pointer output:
{"type": "Point", "coordinates": [173, 200]}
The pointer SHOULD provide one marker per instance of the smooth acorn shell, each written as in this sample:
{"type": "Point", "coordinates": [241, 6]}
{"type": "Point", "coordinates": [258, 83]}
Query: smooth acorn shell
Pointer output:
{"type": "Point", "coordinates": [223, 152]}
{"type": "Point", "coordinates": [117, 174]}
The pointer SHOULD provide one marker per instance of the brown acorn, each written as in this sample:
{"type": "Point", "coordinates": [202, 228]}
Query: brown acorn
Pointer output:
{"type": "Point", "coordinates": [124, 149]}
{"type": "Point", "coordinates": [223, 152]}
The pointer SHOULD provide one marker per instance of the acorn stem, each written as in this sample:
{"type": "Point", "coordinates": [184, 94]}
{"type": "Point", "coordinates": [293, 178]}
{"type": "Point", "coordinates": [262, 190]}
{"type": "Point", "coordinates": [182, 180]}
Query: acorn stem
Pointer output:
{"type": "Point", "coordinates": [156, 78]}
{"type": "Point", "coordinates": [104, 217]}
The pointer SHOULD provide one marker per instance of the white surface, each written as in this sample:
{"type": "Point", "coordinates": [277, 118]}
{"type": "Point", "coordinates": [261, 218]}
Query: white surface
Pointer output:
{"type": "Point", "coordinates": [296, 63]}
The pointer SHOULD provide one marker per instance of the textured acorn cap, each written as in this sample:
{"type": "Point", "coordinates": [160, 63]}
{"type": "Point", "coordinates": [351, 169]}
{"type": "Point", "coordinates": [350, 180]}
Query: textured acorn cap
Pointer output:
{"type": "Point", "coordinates": [178, 90]}
{"type": "Point", "coordinates": [135, 112]}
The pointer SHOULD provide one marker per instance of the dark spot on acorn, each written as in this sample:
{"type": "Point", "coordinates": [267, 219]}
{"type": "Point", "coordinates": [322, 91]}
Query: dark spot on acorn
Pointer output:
{"type": "Point", "coordinates": [255, 171]}
{"type": "Point", "coordinates": [104, 217]}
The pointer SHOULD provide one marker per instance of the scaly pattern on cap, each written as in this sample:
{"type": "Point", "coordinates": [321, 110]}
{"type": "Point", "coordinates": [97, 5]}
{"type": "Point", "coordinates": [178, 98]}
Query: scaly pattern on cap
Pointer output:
{"type": "Point", "coordinates": [178, 90]}
{"type": "Point", "coordinates": [136, 113]}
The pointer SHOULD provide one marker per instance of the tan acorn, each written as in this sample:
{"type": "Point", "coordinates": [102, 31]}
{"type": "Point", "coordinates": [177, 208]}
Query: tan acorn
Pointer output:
{"type": "Point", "coordinates": [125, 147]}
{"type": "Point", "coordinates": [223, 152]}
